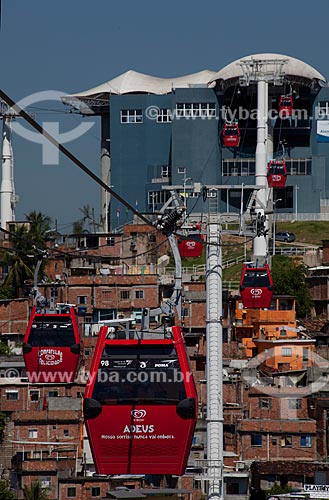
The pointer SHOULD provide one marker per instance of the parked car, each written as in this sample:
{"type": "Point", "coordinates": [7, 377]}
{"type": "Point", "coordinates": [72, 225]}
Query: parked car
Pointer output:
{"type": "Point", "coordinates": [285, 236]}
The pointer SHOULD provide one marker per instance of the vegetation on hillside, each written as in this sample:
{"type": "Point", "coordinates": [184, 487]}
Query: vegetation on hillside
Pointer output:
{"type": "Point", "coordinates": [5, 493]}
{"type": "Point", "coordinates": [289, 279]}
{"type": "Point", "coordinates": [21, 259]}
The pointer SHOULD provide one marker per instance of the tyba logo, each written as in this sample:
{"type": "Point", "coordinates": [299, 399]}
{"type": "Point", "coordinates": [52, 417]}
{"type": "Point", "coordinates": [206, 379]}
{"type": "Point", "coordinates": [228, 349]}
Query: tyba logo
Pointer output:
{"type": "Point", "coordinates": [50, 154]}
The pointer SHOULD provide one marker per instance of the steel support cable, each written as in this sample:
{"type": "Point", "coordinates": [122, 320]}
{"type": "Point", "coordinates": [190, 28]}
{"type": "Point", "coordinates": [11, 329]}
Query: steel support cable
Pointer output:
{"type": "Point", "coordinates": [69, 155]}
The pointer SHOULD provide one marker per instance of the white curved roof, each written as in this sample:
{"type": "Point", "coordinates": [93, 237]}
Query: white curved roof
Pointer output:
{"type": "Point", "coordinates": [132, 81]}
{"type": "Point", "coordinates": [293, 67]}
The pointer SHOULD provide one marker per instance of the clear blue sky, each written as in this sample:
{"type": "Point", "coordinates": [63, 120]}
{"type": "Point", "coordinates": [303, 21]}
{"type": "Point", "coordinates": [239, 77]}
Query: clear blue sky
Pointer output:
{"type": "Point", "coordinates": [72, 45]}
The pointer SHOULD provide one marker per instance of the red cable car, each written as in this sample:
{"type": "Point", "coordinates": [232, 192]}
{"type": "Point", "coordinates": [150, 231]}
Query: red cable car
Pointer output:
{"type": "Point", "coordinates": [286, 106]}
{"type": "Point", "coordinates": [140, 405]}
{"type": "Point", "coordinates": [231, 135]}
{"type": "Point", "coordinates": [256, 287]}
{"type": "Point", "coordinates": [276, 173]}
{"type": "Point", "coordinates": [51, 346]}
{"type": "Point", "coordinates": [191, 245]}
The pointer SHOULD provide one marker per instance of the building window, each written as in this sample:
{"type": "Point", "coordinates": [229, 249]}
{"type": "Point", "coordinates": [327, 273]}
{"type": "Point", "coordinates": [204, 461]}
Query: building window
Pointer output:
{"type": "Point", "coordinates": [82, 299]}
{"type": "Point", "coordinates": [164, 115]}
{"type": "Point", "coordinates": [32, 433]}
{"type": "Point", "coordinates": [87, 352]}
{"type": "Point", "coordinates": [95, 491]}
{"type": "Point", "coordinates": [157, 197]}
{"type": "Point", "coordinates": [12, 395]}
{"type": "Point", "coordinates": [110, 241]}
{"type": "Point", "coordinates": [165, 171]}
{"type": "Point", "coordinates": [306, 441]}
{"type": "Point", "coordinates": [232, 488]}
{"type": "Point", "coordinates": [185, 312]}
{"type": "Point", "coordinates": [294, 404]}
{"type": "Point", "coordinates": [256, 439]}
{"type": "Point", "coordinates": [265, 403]}
{"type": "Point", "coordinates": [139, 294]}
{"type": "Point", "coordinates": [71, 492]}
{"type": "Point", "coordinates": [46, 482]}
{"type": "Point", "coordinates": [124, 294]}
{"type": "Point", "coordinates": [322, 110]}
{"type": "Point", "coordinates": [66, 432]}
{"type": "Point", "coordinates": [286, 352]}
{"type": "Point", "coordinates": [34, 394]}
{"type": "Point", "coordinates": [131, 116]}
{"type": "Point", "coordinates": [196, 110]}
{"type": "Point", "coordinates": [52, 394]}
{"type": "Point", "coordinates": [286, 441]}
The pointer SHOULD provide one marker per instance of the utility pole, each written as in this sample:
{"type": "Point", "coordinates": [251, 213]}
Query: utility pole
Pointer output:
{"type": "Point", "coordinates": [7, 190]}
{"type": "Point", "coordinates": [214, 372]}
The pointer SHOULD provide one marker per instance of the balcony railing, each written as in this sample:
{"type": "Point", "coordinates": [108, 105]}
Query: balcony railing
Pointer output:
{"type": "Point", "coordinates": [247, 166]}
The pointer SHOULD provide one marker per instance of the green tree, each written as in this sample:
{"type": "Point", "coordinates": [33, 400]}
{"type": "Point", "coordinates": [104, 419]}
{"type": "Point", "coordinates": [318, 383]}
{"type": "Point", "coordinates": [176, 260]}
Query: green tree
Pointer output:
{"type": "Point", "coordinates": [20, 267]}
{"type": "Point", "coordinates": [21, 258]}
{"type": "Point", "coordinates": [40, 225]}
{"type": "Point", "coordinates": [289, 279]}
{"type": "Point", "coordinates": [77, 227]}
{"type": "Point", "coordinates": [4, 351]}
{"type": "Point", "coordinates": [5, 493]}
{"type": "Point", "coordinates": [35, 491]}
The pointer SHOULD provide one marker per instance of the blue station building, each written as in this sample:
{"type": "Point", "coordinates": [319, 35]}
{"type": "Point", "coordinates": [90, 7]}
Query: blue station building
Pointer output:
{"type": "Point", "coordinates": [160, 132]}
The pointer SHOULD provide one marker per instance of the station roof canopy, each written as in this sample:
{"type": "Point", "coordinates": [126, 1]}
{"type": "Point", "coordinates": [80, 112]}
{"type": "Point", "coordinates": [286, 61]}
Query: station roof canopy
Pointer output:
{"type": "Point", "coordinates": [133, 82]}
{"type": "Point", "coordinates": [93, 100]}
{"type": "Point", "coordinates": [292, 68]}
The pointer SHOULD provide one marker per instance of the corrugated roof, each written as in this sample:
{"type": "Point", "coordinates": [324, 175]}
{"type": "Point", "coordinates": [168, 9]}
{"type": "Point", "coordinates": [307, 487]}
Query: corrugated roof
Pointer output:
{"type": "Point", "coordinates": [125, 494]}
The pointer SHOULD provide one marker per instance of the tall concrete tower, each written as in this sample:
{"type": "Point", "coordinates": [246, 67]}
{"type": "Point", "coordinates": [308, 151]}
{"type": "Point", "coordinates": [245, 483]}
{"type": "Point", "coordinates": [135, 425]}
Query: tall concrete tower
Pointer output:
{"type": "Point", "coordinates": [7, 191]}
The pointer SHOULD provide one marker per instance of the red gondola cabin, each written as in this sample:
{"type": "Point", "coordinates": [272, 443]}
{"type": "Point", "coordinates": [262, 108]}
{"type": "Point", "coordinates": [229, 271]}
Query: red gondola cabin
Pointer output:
{"type": "Point", "coordinates": [231, 135]}
{"type": "Point", "coordinates": [51, 347]}
{"type": "Point", "coordinates": [191, 245]}
{"type": "Point", "coordinates": [276, 173]}
{"type": "Point", "coordinates": [256, 287]}
{"type": "Point", "coordinates": [286, 106]}
{"type": "Point", "coordinates": [140, 405]}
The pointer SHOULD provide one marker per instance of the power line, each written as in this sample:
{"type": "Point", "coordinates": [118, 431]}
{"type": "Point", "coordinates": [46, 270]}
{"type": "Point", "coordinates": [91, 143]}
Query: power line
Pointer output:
{"type": "Point", "coordinates": [15, 107]}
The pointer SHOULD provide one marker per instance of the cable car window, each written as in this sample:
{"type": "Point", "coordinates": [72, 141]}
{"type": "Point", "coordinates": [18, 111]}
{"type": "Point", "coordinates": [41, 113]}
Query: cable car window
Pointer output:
{"type": "Point", "coordinates": [51, 332]}
{"type": "Point", "coordinates": [139, 375]}
{"type": "Point", "coordinates": [276, 169]}
{"type": "Point", "coordinates": [256, 278]}
{"type": "Point", "coordinates": [231, 131]}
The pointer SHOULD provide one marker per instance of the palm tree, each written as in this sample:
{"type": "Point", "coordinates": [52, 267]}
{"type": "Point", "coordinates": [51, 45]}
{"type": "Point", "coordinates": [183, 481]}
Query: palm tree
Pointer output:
{"type": "Point", "coordinates": [19, 264]}
{"type": "Point", "coordinates": [40, 224]}
{"type": "Point", "coordinates": [20, 258]}
{"type": "Point", "coordinates": [36, 491]}
{"type": "Point", "coordinates": [89, 216]}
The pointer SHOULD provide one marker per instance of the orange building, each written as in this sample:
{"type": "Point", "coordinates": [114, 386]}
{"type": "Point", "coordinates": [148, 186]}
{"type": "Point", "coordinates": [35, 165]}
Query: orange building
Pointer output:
{"type": "Point", "coordinates": [272, 336]}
